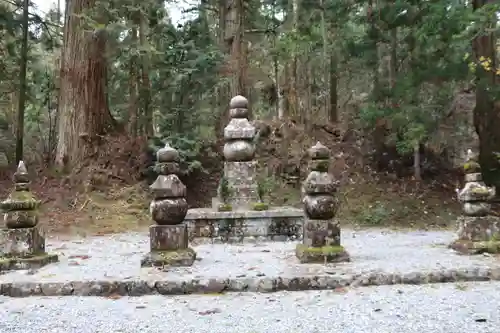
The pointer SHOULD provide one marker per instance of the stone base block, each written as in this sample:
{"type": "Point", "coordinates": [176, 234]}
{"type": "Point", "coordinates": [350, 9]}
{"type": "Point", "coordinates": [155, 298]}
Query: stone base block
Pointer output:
{"type": "Point", "coordinates": [475, 247]}
{"type": "Point", "coordinates": [176, 258]}
{"type": "Point", "coordinates": [478, 228]}
{"type": "Point", "coordinates": [325, 254]}
{"type": "Point", "coordinates": [22, 242]}
{"type": "Point", "coordinates": [34, 262]}
{"type": "Point", "coordinates": [168, 237]}
{"type": "Point", "coordinates": [318, 233]}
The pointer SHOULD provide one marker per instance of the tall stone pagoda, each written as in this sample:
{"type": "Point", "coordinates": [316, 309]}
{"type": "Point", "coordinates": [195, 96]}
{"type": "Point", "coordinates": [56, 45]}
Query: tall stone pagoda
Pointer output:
{"type": "Point", "coordinates": [22, 240]}
{"type": "Point", "coordinates": [169, 236]}
{"type": "Point", "coordinates": [240, 168]}
{"type": "Point", "coordinates": [478, 229]}
{"type": "Point", "coordinates": [321, 235]}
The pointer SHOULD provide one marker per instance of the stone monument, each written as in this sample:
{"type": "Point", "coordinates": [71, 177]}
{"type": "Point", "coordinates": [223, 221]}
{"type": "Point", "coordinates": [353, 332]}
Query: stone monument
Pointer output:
{"type": "Point", "coordinates": [321, 233]}
{"type": "Point", "coordinates": [22, 240]}
{"type": "Point", "coordinates": [478, 230]}
{"type": "Point", "coordinates": [169, 236]}
{"type": "Point", "coordinates": [239, 190]}
{"type": "Point", "coordinates": [238, 213]}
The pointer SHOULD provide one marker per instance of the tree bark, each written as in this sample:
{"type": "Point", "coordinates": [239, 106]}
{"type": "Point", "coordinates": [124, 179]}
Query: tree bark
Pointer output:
{"type": "Point", "coordinates": [147, 119]}
{"type": "Point", "coordinates": [84, 113]}
{"type": "Point", "coordinates": [486, 111]}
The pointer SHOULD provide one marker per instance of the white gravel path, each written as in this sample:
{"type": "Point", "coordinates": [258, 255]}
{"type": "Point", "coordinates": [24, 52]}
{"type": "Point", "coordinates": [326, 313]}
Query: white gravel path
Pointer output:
{"type": "Point", "coordinates": [446, 308]}
{"type": "Point", "coordinates": [117, 257]}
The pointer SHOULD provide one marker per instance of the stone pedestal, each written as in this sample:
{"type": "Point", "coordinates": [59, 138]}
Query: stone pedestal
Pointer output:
{"type": "Point", "coordinates": [321, 242]}
{"type": "Point", "coordinates": [477, 234]}
{"type": "Point", "coordinates": [242, 181]}
{"type": "Point", "coordinates": [23, 248]}
{"type": "Point", "coordinates": [169, 247]}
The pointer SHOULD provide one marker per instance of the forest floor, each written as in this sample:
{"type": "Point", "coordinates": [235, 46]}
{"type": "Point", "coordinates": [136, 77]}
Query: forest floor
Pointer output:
{"type": "Point", "coordinates": [368, 198]}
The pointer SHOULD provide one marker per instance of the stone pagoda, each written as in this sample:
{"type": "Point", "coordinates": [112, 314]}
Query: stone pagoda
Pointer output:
{"type": "Point", "coordinates": [22, 240]}
{"type": "Point", "coordinates": [478, 230]}
{"type": "Point", "coordinates": [321, 233]}
{"type": "Point", "coordinates": [239, 188]}
{"type": "Point", "coordinates": [169, 236]}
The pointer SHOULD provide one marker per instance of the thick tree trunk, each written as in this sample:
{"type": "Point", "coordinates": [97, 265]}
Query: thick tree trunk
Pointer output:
{"type": "Point", "coordinates": [84, 113]}
{"type": "Point", "coordinates": [486, 112]}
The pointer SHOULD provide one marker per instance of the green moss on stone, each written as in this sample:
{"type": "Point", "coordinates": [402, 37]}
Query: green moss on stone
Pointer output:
{"type": "Point", "coordinates": [324, 250]}
{"type": "Point", "coordinates": [225, 208]}
{"type": "Point", "coordinates": [472, 167]}
{"type": "Point", "coordinates": [260, 206]}
{"type": "Point", "coordinates": [480, 190]}
{"type": "Point", "coordinates": [27, 262]}
{"type": "Point", "coordinates": [20, 200]}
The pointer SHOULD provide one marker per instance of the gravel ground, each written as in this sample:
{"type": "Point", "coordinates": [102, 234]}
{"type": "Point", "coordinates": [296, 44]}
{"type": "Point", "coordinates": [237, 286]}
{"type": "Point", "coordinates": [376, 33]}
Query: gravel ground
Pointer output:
{"type": "Point", "coordinates": [446, 308]}
{"type": "Point", "coordinates": [117, 257]}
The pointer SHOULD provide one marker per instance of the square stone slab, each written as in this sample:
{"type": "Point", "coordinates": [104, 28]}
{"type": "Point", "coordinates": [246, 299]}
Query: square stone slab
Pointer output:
{"type": "Point", "coordinates": [177, 258]}
{"type": "Point", "coordinates": [325, 254]}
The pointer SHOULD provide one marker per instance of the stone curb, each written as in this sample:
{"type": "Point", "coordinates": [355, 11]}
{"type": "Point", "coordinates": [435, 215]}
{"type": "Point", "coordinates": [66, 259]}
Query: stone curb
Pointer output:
{"type": "Point", "coordinates": [262, 284]}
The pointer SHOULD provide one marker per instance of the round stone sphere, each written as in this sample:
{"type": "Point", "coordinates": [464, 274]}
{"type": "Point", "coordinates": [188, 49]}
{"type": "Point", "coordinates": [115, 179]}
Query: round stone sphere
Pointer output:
{"type": "Point", "coordinates": [239, 151]}
{"type": "Point", "coordinates": [169, 211]}
{"type": "Point", "coordinates": [321, 207]}
{"type": "Point", "coordinates": [238, 102]}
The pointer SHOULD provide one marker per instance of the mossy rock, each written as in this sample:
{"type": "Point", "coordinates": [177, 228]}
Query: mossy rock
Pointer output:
{"type": "Point", "coordinates": [472, 167]}
{"type": "Point", "coordinates": [225, 208]}
{"type": "Point", "coordinates": [260, 206]}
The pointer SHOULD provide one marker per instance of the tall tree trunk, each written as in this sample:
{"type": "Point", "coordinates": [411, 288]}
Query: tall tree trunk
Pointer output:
{"type": "Point", "coordinates": [333, 73]}
{"type": "Point", "coordinates": [147, 119]}
{"type": "Point", "coordinates": [84, 112]}
{"type": "Point", "coordinates": [22, 85]}
{"type": "Point", "coordinates": [133, 94]}
{"type": "Point", "coordinates": [486, 112]}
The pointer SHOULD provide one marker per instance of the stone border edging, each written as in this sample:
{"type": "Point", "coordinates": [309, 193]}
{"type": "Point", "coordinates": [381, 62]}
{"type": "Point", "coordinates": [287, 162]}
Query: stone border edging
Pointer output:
{"type": "Point", "coordinates": [263, 284]}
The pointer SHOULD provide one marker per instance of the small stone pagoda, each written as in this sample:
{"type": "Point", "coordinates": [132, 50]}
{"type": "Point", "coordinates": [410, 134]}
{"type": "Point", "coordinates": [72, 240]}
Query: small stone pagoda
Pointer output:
{"type": "Point", "coordinates": [22, 240]}
{"type": "Point", "coordinates": [169, 237]}
{"type": "Point", "coordinates": [478, 230]}
{"type": "Point", "coordinates": [321, 234]}
{"type": "Point", "coordinates": [239, 189]}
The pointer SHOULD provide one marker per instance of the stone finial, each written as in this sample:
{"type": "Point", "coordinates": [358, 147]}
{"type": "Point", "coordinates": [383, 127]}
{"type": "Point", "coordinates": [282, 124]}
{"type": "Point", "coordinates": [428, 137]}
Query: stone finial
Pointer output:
{"type": "Point", "coordinates": [21, 174]}
{"type": "Point", "coordinates": [21, 207]}
{"type": "Point", "coordinates": [239, 133]}
{"type": "Point", "coordinates": [321, 236]}
{"type": "Point", "coordinates": [167, 154]}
